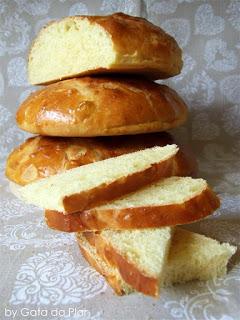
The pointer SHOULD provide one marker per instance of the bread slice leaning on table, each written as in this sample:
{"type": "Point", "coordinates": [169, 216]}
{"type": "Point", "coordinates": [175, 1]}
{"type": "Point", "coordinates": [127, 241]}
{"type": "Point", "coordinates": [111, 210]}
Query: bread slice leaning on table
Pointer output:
{"type": "Point", "coordinates": [97, 183]}
{"type": "Point", "coordinates": [168, 202]}
{"type": "Point", "coordinates": [139, 255]}
{"type": "Point", "coordinates": [191, 256]}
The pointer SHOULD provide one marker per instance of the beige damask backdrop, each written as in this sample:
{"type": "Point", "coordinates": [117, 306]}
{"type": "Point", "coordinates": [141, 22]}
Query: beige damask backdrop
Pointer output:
{"type": "Point", "coordinates": [43, 269]}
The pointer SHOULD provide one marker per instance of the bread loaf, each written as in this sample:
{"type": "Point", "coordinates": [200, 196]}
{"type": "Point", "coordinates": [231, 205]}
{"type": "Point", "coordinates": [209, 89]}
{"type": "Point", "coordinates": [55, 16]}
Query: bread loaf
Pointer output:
{"type": "Point", "coordinates": [96, 183]}
{"type": "Point", "coordinates": [168, 202]}
{"type": "Point", "coordinates": [117, 43]}
{"type": "Point", "coordinates": [40, 156]}
{"type": "Point", "coordinates": [88, 107]}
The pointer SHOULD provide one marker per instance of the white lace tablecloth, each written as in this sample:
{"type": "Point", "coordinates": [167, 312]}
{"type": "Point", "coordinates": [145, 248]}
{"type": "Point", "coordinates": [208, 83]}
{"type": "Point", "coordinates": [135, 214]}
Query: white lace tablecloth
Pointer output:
{"type": "Point", "coordinates": [42, 275]}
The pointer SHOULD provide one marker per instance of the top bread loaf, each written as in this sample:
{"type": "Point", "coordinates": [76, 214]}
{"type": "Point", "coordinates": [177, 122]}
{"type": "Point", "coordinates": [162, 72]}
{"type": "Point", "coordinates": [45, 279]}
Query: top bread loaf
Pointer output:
{"type": "Point", "coordinates": [87, 45]}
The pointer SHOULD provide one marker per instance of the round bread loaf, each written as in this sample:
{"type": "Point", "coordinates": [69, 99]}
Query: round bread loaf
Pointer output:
{"type": "Point", "coordinates": [40, 157]}
{"type": "Point", "coordinates": [88, 107]}
{"type": "Point", "coordinates": [118, 43]}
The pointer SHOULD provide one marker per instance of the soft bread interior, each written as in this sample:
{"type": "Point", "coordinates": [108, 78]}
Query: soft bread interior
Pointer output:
{"type": "Point", "coordinates": [195, 257]}
{"type": "Point", "coordinates": [49, 192]}
{"type": "Point", "coordinates": [16, 189]}
{"type": "Point", "coordinates": [191, 256]}
{"type": "Point", "coordinates": [146, 249]}
{"type": "Point", "coordinates": [69, 47]}
{"type": "Point", "coordinates": [166, 191]}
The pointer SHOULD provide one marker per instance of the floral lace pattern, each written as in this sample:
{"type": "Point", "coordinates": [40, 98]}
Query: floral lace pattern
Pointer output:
{"type": "Point", "coordinates": [43, 268]}
{"type": "Point", "coordinates": [53, 278]}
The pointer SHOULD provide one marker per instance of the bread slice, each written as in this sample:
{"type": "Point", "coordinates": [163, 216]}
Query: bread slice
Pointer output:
{"type": "Point", "coordinates": [117, 43]}
{"type": "Point", "coordinates": [138, 255]}
{"type": "Point", "coordinates": [191, 257]}
{"type": "Point", "coordinates": [196, 257]}
{"type": "Point", "coordinates": [40, 157]}
{"type": "Point", "coordinates": [96, 183]}
{"type": "Point", "coordinates": [101, 106]}
{"type": "Point", "coordinates": [110, 273]}
{"type": "Point", "coordinates": [168, 202]}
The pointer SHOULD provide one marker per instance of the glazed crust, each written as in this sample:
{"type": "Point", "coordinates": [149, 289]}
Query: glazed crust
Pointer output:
{"type": "Point", "coordinates": [40, 156]}
{"type": "Point", "coordinates": [121, 186]}
{"type": "Point", "coordinates": [111, 278]}
{"type": "Point", "coordinates": [194, 209]}
{"type": "Point", "coordinates": [128, 271]}
{"type": "Point", "coordinates": [88, 107]}
{"type": "Point", "coordinates": [141, 47]}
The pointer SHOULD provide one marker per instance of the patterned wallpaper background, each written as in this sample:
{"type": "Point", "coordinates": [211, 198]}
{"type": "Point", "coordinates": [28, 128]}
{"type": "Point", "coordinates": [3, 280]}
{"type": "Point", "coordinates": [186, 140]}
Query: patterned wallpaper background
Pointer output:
{"type": "Point", "coordinates": [43, 269]}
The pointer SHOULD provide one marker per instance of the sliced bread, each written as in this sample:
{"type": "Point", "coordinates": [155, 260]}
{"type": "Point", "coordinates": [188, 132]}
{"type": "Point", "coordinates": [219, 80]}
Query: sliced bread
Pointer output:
{"type": "Point", "coordinates": [191, 257]}
{"type": "Point", "coordinates": [168, 202]}
{"type": "Point", "coordinates": [116, 43]}
{"type": "Point", "coordinates": [110, 273]}
{"type": "Point", "coordinates": [139, 255]}
{"type": "Point", "coordinates": [196, 257]}
{"type": "Point", "coordinates": [93, 184]}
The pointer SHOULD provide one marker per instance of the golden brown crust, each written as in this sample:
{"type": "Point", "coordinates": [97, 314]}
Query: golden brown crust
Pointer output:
{"type": "Point", "coordinates": [141, 47]}
{"type": "Point", "coordinates": [128, 271]}
{"type": "Point", "coordinates": [149, 44]}
{"type": "Point", "coordinates": [124, 185]}
{"type": "Point", "coordinates": [40, 156]}
{"type": "Point", "coordinates": [87, 107]}
{"type": "Point", "coordinates": [111, 278]}
{"type": "Point", "coordinates": [191, 210]}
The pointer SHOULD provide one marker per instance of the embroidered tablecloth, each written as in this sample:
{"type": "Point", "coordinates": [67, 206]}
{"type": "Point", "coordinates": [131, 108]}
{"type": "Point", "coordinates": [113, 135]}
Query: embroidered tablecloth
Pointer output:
{"type": "Point", "coordinates": [42, 274]}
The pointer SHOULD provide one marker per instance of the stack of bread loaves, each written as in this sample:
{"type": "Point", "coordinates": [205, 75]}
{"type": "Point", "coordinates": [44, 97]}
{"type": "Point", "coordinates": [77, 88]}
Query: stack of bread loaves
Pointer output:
{"type": "Point", "coordinates": [102, 166]}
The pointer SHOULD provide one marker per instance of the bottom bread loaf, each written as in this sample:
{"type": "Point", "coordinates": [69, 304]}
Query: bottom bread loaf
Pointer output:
{"type": "Point", "coordinates": [191, 256]}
